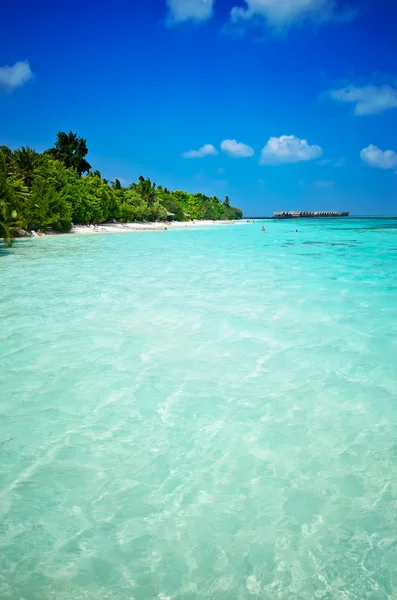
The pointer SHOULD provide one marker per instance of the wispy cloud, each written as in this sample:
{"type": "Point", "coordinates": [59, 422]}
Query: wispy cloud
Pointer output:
{"type": "Point", "coordinates": [14, 76]}
{"type": "Point", "coordinates": [368, 99]}
{"type": "Point", "coordinates": [282, 14]}
{"type": "Point", "coordinates": [288, 149]}
{"type": "Point", "coordinates": [220, 171]}
{"type": "Point", "coordinates": [236, 149]}
{"type": "Point", "coordinates": [206, 150]}
{"type": "Point", "coordinates": [377, 158]}
{"type": "Point", "coordinates": [340, 163]}
{"type": "Point", "coordinates": [189, 10]}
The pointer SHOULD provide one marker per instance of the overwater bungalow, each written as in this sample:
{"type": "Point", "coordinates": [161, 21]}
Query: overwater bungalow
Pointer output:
{"type": "Point", "coordinates": [308, 214]}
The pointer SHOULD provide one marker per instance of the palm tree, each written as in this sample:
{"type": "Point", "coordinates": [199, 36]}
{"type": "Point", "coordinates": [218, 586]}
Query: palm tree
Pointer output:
{"type": "Point", "coordinates": [71, 150]}
{"type": "Point", "coordinates": [146, 189]}
{"type": "Point", "coordinates": [8, 224]}
{"type": "Point", "coordinates": [116, 185]}
{"type": "Point", "coordinates": [25, 165]}
{"type": "Point", "coordinates": [10, 192]}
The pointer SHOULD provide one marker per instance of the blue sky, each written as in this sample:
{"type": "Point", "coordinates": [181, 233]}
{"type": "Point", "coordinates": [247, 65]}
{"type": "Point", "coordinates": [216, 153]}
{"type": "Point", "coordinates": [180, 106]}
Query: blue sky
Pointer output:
{"type": "Point", "coordinates": [279, 104]}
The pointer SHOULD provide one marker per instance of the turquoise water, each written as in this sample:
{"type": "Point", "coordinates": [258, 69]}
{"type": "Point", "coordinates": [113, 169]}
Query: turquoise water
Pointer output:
{"type": "Point", "coordinates": [205, 413]}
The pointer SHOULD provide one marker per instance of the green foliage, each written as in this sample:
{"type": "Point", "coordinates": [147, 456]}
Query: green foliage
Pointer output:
{"type": "Point", "coordinates": [9, 195]}
{"type": "Point", "coordinates": [146, 189]}
{"type": "Point", "coordinates": [48, 190]}
{"type": "Point", "coordinates": [57, 174]}
{"type": "Point", "coordinates": [132, 206]}
{"type": "Point", "coordinates": [48, 208]}
{"type": "Point", "coordinates": [7, 154]}
{"type": "Point", "coordinates": [157, 212]}
{"type": "Point", "coordinates": [95, 197]}
{"type": "Point", "coordinates": [9, 223]}
{"type": "Point", "coordinates": [171, 204]}
{"type": "Point", "coordinates": [71, 150]}
{"type": "Point", "coordinates": [25, 164]}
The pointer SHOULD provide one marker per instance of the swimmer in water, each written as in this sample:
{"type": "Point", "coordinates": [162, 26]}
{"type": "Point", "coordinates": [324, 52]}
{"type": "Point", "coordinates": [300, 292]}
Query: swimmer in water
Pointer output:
{"type": "Point", "coordinates": [263, 229]}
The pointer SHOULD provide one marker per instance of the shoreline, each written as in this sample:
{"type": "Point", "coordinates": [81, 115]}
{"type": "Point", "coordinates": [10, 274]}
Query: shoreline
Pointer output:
{"type": "Point", "coordinates": [134, 227]}
{"type": "Point", "coordinates": [131, 227]}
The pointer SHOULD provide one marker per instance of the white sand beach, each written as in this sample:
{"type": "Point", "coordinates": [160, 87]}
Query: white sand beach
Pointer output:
{"type": "Point", "coordinates": [152, 226]}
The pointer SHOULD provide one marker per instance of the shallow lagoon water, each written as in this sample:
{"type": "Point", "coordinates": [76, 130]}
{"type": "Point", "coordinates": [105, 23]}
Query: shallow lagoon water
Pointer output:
{"type": "Point", "coordinates": [203, 413]}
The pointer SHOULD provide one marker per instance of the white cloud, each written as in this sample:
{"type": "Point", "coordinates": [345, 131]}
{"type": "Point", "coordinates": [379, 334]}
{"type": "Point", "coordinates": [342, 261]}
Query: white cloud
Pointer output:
{"type": "Point", "coordinates": [380, 159]}
{"type": "Point", "coordinates": [236, 149]}
{"type": "Point", "coordinates": [288, 149]}
{"type": "Point", "coordinates": [369, 99]}
{"type": "Point", "coordinates": [324, 162]}
{"type": "Point", "coordinates": [221, 171]}
{"type": "Point", "coordinates": [206, 150]}
{"type": "Point", "coordinates": [14, 76]}
{"type": "Point", "coordinates": [281, 14]}
{"type": "Point", "coordinates": [340, 163]}
{"type": "Point", "coordinates": [189, 10]}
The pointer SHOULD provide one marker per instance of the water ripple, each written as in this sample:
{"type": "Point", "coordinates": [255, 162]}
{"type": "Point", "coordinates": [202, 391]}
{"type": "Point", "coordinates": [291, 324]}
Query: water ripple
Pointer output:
{"type": "Point", "coordinates": [200, 415]}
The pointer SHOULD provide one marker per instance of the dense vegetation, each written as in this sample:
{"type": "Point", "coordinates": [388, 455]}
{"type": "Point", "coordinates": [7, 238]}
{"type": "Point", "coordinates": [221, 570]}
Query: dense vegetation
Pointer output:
{"type": "Point", "coordinates": [58, 187]}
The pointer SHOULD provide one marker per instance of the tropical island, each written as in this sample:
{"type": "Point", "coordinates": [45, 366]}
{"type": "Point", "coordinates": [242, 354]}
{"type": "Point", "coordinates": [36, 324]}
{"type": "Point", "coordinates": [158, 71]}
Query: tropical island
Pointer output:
{"type": "Point", "coordinates": [56, 189]}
